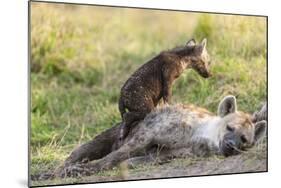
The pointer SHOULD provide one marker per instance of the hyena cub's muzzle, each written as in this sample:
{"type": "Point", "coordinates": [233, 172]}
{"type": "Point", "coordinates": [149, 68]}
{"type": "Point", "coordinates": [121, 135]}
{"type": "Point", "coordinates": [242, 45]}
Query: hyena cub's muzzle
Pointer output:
{"type": "Point", "coordinates": [203, 71]}
{"type": "Point", "coordinates": [206, 74]}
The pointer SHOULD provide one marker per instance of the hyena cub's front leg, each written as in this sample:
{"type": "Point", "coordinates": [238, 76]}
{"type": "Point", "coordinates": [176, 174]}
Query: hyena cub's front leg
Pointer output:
{"type": "Point", "coordinates": [169, 77]}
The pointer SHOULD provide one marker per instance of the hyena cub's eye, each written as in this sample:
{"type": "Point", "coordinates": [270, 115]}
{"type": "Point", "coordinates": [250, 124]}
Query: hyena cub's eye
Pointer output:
{"type": "Point", "coordinates": [229, 128]}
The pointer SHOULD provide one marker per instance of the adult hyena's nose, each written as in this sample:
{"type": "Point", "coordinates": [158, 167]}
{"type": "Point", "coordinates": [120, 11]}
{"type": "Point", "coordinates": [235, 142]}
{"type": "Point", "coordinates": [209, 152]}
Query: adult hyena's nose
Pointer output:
{"type": "Point", "coordinates": [230, 143]}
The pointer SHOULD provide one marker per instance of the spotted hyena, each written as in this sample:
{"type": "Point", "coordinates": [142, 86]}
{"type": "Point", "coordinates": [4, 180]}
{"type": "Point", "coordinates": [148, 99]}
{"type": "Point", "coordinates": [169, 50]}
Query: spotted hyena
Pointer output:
{"type": "Point", "coordinates": [153, 81]}
{"type": "Point", "coordinates": [181, 131]}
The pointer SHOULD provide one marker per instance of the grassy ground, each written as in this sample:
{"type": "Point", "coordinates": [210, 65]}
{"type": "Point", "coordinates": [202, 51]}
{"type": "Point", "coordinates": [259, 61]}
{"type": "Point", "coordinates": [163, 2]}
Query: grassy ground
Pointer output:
{"type": "Point", "coordinates": [81, 56]}
{"type": "Point", "coordinates": [254, 160]}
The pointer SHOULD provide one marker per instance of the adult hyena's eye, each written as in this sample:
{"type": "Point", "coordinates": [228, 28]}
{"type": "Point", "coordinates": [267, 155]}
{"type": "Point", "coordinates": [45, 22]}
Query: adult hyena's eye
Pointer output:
{"type": "Point", "coordinates": [243, 139]}
{"type": "Point", "coordinates": [229, 128]}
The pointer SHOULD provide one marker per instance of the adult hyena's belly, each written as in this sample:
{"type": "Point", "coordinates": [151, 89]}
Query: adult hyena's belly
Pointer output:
{"type": "Point", "coordinates": [171, 127]}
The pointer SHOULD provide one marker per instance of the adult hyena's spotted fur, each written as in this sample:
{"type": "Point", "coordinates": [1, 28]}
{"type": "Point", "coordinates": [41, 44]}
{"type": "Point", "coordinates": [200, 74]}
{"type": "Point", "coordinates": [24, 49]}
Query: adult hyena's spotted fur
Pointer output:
{"type": "Point", "coordinates": [153, 81]}
{"type": "Point", "coordinates": [180, 131]}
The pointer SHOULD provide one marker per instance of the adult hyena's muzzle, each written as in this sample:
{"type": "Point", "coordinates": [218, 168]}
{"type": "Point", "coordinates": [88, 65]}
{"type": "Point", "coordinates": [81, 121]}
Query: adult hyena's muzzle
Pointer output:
{"type": "Point", "coordinates": [230, 145]}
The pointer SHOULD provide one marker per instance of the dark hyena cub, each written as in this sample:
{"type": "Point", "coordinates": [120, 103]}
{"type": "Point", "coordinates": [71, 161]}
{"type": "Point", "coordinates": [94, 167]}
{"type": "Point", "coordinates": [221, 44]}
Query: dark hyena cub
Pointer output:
{"type": "Point", "coordinates": [153, 81]}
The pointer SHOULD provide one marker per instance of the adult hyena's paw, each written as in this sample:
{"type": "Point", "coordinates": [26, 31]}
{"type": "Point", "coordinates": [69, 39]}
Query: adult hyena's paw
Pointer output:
{"type": "Point", "coordinates": [42, 176]}
{"type": "Point", "coordinates": [75, 170]}
{"type": "Point", "coordinates": [95, 167]}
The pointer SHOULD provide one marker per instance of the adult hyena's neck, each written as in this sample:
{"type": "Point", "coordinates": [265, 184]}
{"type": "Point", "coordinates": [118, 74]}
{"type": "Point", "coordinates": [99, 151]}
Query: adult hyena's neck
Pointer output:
{"type": "Point", "coordinates": [208, 129]}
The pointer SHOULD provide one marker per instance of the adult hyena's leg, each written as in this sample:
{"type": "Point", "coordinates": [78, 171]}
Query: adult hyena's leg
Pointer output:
{"type": "Point", "coordinates": [175, 153]}
{"type": "Point", "coordinates": [148, 159]}
{"type": "Point", "coordinates": [141, 160]}
{"type": "Point", "coordinates": [129, 149]}
{"type": "Point", "coordinates": [159, 156]}
{"type": "Point", "coordinates": [97, 148]}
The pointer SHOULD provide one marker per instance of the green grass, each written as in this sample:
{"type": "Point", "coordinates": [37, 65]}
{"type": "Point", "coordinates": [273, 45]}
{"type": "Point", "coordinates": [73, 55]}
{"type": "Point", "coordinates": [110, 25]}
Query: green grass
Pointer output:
{"type": "Point", "coordinates": [81, 56]}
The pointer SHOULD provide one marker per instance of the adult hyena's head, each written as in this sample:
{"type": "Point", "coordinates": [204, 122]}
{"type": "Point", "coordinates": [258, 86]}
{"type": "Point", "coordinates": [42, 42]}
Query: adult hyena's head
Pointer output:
{"type": "Point", "coordinates": [237, 131]}
{"type": "Point", "coordinates": [198, 58]}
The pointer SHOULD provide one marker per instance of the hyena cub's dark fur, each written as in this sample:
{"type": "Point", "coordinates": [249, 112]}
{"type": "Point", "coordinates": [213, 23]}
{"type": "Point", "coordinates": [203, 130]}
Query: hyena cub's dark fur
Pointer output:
{"type": "Point", "coordinates": [153, 81]}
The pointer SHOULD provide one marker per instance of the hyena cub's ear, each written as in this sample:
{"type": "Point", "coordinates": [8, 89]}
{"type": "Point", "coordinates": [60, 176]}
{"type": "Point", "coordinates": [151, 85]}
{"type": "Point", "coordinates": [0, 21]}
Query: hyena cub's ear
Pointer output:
{"type": "Point", "coordinates": [191, 42]}
{"type": "Point", "coordinates": [204, 43]}
{"type": "Point", "coordinates": [260, 129]}
{"type": "Point", "coordinates": [227, 105]}
{"type": "Point", "coordinates": [201, 49]}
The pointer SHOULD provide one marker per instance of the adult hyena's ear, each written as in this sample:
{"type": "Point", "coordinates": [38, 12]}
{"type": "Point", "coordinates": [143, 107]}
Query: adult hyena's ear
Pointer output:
{"type": "Point", "coordinates": [227, 105]}
{"type": "Point", "coordinates": [261, 114]}
{"type": "Point", "coordinates": [191, 42]}
{"type": "Point", "coordinates": [260, 129]}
